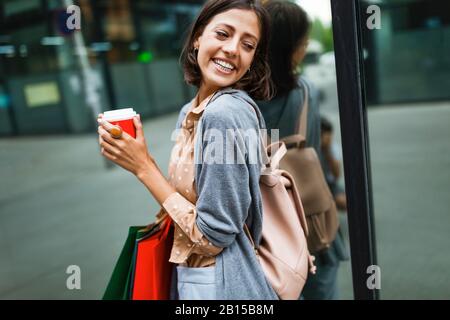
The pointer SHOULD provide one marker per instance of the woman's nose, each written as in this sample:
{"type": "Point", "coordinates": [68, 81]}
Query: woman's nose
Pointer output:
{"type": "Point", "coordinates": [231, 47]}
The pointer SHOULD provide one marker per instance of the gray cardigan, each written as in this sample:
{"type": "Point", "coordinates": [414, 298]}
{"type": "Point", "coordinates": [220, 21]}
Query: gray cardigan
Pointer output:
{"type": "Point", "coordinates": [229, 196]}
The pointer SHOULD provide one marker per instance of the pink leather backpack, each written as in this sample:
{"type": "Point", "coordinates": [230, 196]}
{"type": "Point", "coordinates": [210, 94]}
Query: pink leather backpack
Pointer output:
{"type": "Point", "coordinates": [283, 251]}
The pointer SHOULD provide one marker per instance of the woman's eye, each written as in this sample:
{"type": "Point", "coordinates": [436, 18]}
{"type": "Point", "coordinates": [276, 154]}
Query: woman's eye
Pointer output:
{"type": "Point", "coordinates": [249, 46]}
{"type": "Point", "coordinates": [221, 34]}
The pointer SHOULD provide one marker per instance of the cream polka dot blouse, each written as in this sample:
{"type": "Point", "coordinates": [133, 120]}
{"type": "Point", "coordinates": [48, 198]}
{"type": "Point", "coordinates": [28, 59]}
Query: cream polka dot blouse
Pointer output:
{"type": "Point", "coordinates": [190, 247]}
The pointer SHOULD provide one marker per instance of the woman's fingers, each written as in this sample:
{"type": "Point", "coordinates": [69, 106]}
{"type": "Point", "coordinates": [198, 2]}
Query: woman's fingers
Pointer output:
{"type": "Point", "coordinates": [108, 155]}
{"type": "Point", "coordinates": [108, 143]}
{"type": "Point", "coordinates": [105, 124]}
{"type": "Point", "coordinates": [107, 136]}
{"type": "Point", "coordinates": [138, 125]}
{"type": "Point", "coordinates": [112, 129]}
{"type": "Point", "coordinates": [110, 149]}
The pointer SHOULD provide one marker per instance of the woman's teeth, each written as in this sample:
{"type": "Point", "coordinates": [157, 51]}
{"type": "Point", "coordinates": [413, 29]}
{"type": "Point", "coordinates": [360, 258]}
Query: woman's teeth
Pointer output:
{"type": "Point", "coordinates": [224, 65]}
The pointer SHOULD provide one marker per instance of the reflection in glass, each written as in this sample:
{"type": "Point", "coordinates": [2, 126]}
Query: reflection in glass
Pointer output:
{"type": "Point", "coordinates": [407, 72]}
{"type": "Point", "coordinates": [319, 68]}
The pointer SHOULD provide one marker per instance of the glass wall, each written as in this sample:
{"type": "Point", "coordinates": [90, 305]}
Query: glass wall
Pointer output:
{"type": "Point", "coordinates": [409, 51]}
{"type": "Point", "coordinates": [407, 73]}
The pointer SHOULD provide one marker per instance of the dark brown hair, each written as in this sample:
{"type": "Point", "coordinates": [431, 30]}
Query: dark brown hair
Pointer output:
{"type": "Point", "coordinates": [256, 82]}
{"type": "Point", "coordinates": [289, 25]}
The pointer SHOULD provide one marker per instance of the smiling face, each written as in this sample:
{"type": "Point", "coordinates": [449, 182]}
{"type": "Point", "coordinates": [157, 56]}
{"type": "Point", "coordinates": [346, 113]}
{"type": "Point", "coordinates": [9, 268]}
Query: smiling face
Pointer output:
{"type": "Point", "coordinates": [226, 48]}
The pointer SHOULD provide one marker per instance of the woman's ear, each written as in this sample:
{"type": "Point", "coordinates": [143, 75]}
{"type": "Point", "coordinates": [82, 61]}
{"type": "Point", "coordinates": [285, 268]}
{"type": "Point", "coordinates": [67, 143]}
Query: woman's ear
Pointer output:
{"type": "Point", "coordinates": [197, 42]}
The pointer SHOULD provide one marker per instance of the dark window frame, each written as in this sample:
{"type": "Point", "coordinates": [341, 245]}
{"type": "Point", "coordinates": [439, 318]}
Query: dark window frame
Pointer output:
{"type": "Point", "coordinates": [355, 143]}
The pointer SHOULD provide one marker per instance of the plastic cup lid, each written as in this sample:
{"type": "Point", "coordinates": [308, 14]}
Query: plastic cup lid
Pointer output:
{"type": "Point", "coordinates": [120, 114]}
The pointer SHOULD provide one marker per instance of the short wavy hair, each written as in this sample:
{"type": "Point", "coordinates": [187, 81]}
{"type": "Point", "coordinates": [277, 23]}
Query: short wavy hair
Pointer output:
{"type": "Point", "coordinates": [257, 82]}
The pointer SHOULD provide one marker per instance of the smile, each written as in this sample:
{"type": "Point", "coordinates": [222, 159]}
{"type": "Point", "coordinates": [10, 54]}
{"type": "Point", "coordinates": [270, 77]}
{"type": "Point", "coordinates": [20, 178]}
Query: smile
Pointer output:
{"type": "Point", "coordinates": [223, 66]}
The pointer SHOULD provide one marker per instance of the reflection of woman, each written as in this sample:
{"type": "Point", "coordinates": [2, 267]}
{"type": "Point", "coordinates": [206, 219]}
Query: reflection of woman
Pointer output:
{"type": "Point", "coordinates": [287, 48]}
{"type": "Point", "coordinates": [290, 27]}
{"type": "Point", "coordinates": [225, 56]}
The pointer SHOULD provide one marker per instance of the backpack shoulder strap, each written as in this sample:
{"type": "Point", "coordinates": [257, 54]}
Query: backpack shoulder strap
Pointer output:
{"type": "Point", "coordinates": [302, 122]}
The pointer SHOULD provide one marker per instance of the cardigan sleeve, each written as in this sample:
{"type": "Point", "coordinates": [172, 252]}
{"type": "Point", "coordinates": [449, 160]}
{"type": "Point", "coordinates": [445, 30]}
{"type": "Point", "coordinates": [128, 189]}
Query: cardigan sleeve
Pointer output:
{"type": "Point", "coordinates": [224, 197]}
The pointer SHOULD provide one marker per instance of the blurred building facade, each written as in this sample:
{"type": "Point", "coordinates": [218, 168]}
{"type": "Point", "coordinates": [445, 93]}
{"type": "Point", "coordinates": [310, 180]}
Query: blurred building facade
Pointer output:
{"type": "Point", "coordinates": [55, 80]}
{"type": "Point", "coordinates": [407, 59]}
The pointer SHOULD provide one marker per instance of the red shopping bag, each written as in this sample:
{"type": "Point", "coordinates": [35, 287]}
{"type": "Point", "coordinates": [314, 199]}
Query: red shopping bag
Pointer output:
{"type": "Point", "coordinates": [153, 271]}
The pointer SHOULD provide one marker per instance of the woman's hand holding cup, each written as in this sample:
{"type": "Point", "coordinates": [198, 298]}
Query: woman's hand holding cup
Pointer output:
{"type": "Point", "coordinates": [123, 149]}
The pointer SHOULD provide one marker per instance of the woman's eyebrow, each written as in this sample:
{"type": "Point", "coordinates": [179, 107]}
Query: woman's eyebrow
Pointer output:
{"type": "Point", "coordinates": [233, 28]}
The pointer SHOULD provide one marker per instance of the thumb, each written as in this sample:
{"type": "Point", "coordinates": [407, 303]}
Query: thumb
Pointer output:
{"type": "Point", "coordinates": [138, 124]}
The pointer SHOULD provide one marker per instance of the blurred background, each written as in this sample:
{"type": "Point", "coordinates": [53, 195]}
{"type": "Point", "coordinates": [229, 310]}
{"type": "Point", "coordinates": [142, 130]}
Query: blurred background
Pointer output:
{"type": "Point", "coordinates": [61, 204]}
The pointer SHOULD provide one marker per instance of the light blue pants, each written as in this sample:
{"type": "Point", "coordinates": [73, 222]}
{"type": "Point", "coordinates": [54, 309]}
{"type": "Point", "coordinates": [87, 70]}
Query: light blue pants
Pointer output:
{"type": "Point", "coordinates": [196, 283]}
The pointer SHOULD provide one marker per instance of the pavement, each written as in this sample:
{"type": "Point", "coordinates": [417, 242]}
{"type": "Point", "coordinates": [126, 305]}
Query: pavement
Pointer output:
{"type": "Point", "coordinates": [60, 206]}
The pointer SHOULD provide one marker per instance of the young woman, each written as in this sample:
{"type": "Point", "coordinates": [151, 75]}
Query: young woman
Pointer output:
{"type": "Point", "coordinates": [209, 198]}
{"type": "Point", "coordinates": [287, 48]}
